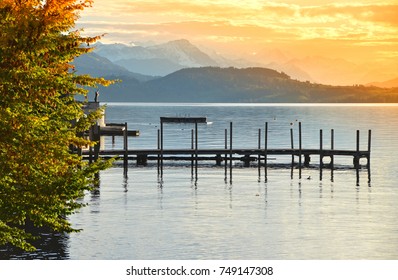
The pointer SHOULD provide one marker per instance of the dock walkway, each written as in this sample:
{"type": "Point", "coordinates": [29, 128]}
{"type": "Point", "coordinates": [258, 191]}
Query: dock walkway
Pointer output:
{"type": "Point", "coordinates": [245, 155]}
{"type": "Point", "coordinates": [226, 154]}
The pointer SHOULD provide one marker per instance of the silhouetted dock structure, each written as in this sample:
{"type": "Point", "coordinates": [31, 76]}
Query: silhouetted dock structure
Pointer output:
{"type": "Point", "coordinates": [225, 155]}
{"type": "Point", "coordinates": [101, 129]}
{"type": "Point", "coordinates": [183, 120]}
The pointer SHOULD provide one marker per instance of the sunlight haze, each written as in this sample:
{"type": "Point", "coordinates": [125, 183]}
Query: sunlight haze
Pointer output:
{"type": "Point", "coordinates": [359, 32]}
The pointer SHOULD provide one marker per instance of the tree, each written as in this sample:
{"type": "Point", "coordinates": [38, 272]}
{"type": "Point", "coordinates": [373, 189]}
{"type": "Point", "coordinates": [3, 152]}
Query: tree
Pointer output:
{"type": "Point", "coordinates": [40, 179]}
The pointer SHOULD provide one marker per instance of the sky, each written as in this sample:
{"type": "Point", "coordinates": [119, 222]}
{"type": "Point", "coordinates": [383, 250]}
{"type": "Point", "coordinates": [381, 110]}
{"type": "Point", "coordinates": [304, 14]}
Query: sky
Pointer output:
{"type": "Point", "coordinates": [359, 31]}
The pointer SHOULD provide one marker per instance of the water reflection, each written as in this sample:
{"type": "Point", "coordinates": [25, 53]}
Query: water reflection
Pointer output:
{"type": "Point", "coordinates": [126, 182]}
{"type": "Point", "coordinates": [293, 166]}
{"type": "Point", "coordinates": [170, 216]}
{"type": "Point", "coordinates": [50, 246]}
{"type": "Point", "coordinates": [55, 246]}
{"type": "Point", "coordinates": [184, 215]}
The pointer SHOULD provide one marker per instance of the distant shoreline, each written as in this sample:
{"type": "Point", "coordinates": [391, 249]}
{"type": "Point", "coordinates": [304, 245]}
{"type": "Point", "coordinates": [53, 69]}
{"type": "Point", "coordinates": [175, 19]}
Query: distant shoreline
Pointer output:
{"type": "Point", "coordinates": [286, 104]}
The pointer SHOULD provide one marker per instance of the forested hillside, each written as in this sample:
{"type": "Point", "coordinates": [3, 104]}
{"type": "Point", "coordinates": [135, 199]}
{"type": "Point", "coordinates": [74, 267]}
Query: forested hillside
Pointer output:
{"type": "Point", "coordinates": [213, 84]}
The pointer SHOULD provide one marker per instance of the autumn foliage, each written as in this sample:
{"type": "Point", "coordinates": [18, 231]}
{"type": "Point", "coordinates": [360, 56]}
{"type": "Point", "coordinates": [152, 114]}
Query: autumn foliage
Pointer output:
{"type": "Point", "coordinates": [40, 179]}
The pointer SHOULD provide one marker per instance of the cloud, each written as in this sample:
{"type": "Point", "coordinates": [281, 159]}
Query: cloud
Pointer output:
{"type": "Point", "coordinates": [172, 30]}
{"type": "Point", "coordinates": [346, 27]}
{"type": "Point", "coordinates": [335, 20]}
{"type": "Point", "coordinates": [377, 14]}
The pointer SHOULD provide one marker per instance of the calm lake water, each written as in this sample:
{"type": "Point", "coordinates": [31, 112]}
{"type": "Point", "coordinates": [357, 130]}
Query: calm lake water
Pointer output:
{"type": "Point", "coordinates": [143, 216]}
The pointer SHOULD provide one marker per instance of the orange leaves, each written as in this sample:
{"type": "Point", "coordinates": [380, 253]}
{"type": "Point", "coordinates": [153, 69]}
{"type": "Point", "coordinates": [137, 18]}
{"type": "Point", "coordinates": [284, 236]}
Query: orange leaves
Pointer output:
{"type": "Point", "coordinates": [62, 14]}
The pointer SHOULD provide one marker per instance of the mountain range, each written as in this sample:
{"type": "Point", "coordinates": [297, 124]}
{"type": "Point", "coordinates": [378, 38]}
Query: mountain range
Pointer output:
{"type": "Point", "coordinates": [164, 59]}
{"type": "Point", "coordinates": [157, 60]}
{"type": "Point", "coordinates": [180, 72]}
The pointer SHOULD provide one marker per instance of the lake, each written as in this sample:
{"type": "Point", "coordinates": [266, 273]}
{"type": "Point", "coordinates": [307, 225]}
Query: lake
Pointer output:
{"type": "Point", "coordinates": [346, 214]}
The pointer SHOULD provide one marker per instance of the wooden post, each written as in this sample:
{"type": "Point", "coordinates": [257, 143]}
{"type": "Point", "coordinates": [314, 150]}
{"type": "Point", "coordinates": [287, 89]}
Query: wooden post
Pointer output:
{"type": "Point", "coordinates": [218, 159]}
{"type": "Point", "coordinates": [196, 150]}
{"type": "Point", "coordinates": [230, 152]}
{"type": "Point", "coordinates": [332, 156]}
{"type": "Point", "coordinates": [307, 159]}
{"type": "Point", "coordinates": [291, 171]}
{"type": "Point", "coordinates": [320, 147]}
{"type": "Point", "coordinates": [246, 160]}
{"type": "Point", "coordinates": [226, 157]}
{"type": "Point", "coordinates": [97, 139]}
{"type": "Point", "coordinates": [369, 147]}
{"type": "Point", "coordinates": [300, 148]}
{"type": "Point", "coordinates": [266, 151]}
{"type": "Point", "coordinates": [292, 144]}
{"type": "Point", "coordinates": [142, 159]}
{"type": "Point", "coordinates": [161, 148]}
{"type": "Point", "coordinates": [332, 148]}
{"type": "Point", "coordinates": [368, 159]}
{"type": "Point", "coordinates": [369, 140]}
{"type": "Point", "coordinates": [158, 153]}
{"type": "Point", "coordinates": [125, 147]}
{"type": "Point", "coordinates": [192, 147]}
{"type": "Point", "coordinates": [356, 157]}
{"type": "Point", "coordinates": [259, 157]}
{"type": "Point", "coordinates": [320, 153]}
{"type": "Point", "coordinates": [161, 136]}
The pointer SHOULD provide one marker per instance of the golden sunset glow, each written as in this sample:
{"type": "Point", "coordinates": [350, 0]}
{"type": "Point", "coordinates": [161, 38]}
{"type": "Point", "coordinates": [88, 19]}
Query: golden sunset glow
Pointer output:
{"type": "Point", "coordinates": [358, 31]}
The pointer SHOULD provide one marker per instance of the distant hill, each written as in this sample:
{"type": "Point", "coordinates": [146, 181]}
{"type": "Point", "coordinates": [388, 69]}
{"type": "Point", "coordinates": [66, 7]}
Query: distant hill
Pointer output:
{"type": "Point", "coordinates": [387, 84]}
{"type": "Point", "coordinates": [98, 66]}
{"type": "Point", "coordinates": [214, 84]}
{"type": "Point", "coordinates": [150, 66]}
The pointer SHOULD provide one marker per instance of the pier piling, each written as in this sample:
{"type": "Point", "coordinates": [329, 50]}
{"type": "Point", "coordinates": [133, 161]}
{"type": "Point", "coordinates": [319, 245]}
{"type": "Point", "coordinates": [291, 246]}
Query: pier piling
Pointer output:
{"type": "Point", "coordinates": [266, 152]}
{"type": "Point", "coordinates": [158, 154]}
{"type": "Point", "coordinates": [300, 149]}
{"type": "Point", "coordinates": [230, 153]}
{"type": "Point", "coordinates": [292, 144]}
{"type": "Point", "coordinates": [192, 155]}
{"type": "Point", "coordinates": [259, 156]}
{"type": "Point", "coordinates": [196, 150]}
{"type": "Point", "coordinates": [357, 155]}
{"type": "Point", "coordinates": [369, 147]}
{"type": "Point", "coordinates": [332, 148]}
{"type": "Point", "coordinates": [125, 148]}
{"type": "Point", "coordinates": [226, 156]}
{"type": "Point", "coordinates": [320, 153]}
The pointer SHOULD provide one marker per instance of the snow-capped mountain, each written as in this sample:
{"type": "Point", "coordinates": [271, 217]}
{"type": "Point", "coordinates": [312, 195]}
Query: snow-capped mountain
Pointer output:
{"type": "Point", "coordinates": [156, 60]}
{"type": "Point", "coordinates": [116, 52]}
{"type": "Point", "coordinates": [183, 52]}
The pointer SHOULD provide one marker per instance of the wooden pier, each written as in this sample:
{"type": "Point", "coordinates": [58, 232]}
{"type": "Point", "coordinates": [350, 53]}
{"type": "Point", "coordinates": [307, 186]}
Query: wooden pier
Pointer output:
{"type": "Point", "coordinates": [226, 155]}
